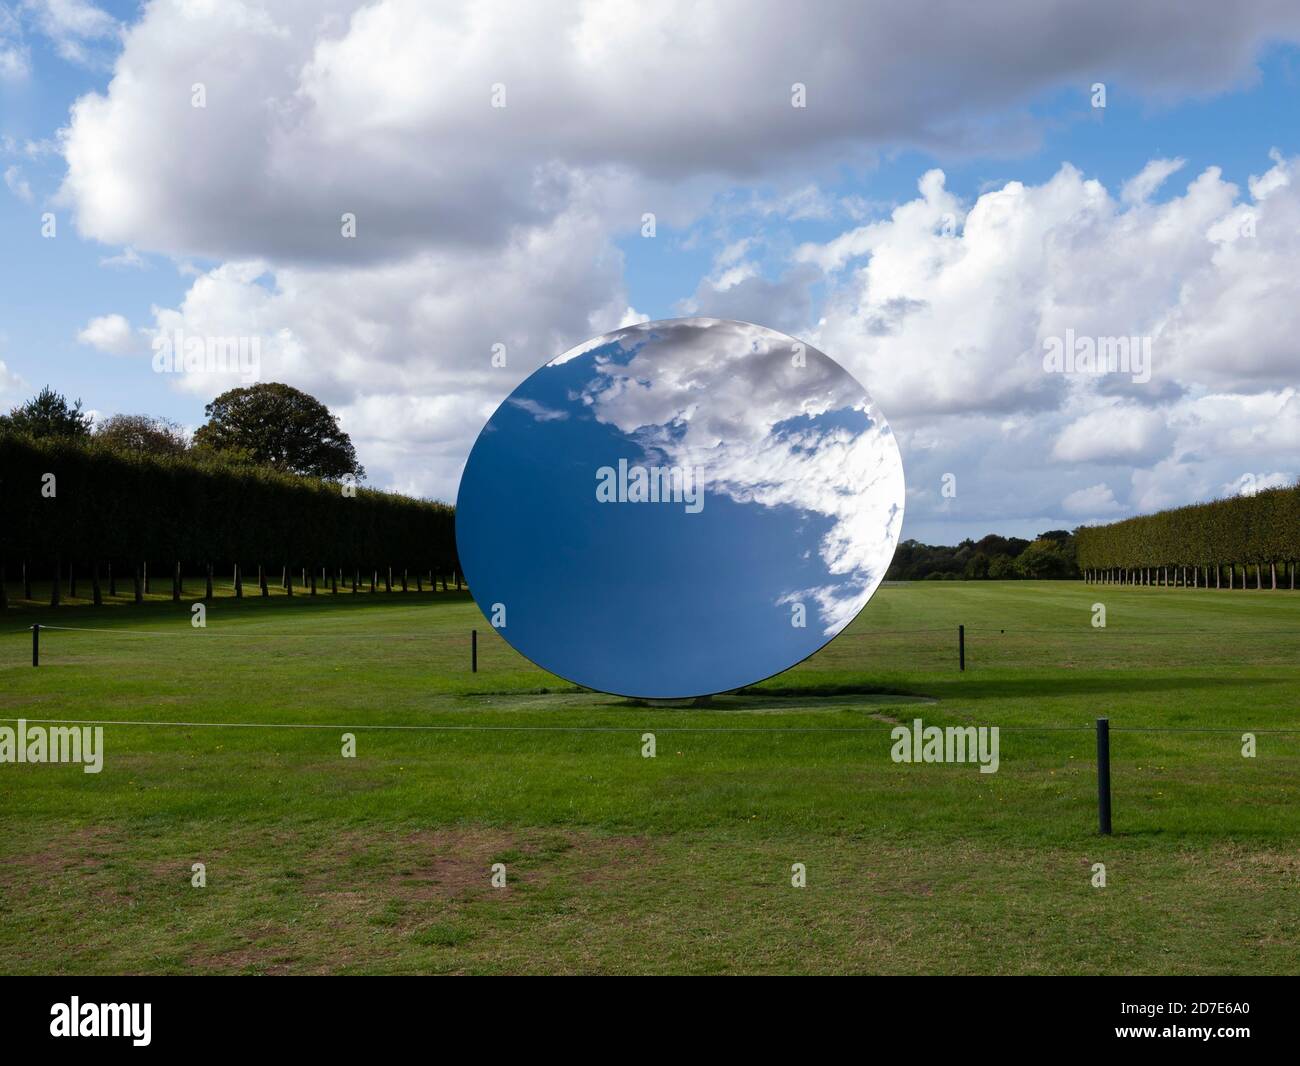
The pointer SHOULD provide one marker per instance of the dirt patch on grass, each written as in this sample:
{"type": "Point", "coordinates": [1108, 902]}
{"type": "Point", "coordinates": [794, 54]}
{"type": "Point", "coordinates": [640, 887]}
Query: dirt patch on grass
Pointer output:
{"type": "Point", "coordinates": [79, 854]}
{"type": "Point", "coordinates": [1246, 866]}
{"type": "Point", "coordinates": [251, 958]}
{"type": "Point", "coordinates": [80, 848]}
{"type": "Point", "coordinates": [456, 863]}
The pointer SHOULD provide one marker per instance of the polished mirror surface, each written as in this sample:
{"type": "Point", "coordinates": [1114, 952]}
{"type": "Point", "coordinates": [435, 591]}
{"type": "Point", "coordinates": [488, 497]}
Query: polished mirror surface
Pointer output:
{"type": "Point", "coordinates": [679, 508]}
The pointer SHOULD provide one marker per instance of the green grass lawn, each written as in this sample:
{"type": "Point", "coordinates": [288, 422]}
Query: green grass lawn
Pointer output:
{"type": "Point", "coordinates": [617, 863]}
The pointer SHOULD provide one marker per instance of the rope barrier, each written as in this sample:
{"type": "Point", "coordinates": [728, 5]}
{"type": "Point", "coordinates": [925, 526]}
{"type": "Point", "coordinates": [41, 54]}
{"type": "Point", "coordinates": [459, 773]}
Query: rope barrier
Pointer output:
{"type": "Point", "coordinates": [247, 630]}
{"type": "Point", "coordinates": [882, 727]}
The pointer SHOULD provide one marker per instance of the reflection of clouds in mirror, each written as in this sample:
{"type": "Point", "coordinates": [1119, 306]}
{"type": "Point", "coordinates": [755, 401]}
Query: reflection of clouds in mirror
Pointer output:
{"type": "Point", "coordinates": [540, 412]}
{"type": "Point", "coordinates": [776, 431]}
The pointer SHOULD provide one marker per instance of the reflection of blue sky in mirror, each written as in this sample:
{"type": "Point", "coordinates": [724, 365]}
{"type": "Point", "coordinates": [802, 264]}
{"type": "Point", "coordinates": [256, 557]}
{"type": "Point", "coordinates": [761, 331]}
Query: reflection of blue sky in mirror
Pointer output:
{"type": "Point", "coordinates": [802, 503]}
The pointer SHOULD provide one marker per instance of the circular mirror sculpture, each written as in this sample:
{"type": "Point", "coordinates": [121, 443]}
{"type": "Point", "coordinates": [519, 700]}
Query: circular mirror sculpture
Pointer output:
{"type": "Point", "coordinates": [679, 508]}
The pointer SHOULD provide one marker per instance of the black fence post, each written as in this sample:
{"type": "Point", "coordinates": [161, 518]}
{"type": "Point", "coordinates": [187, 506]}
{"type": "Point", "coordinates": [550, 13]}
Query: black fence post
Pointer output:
{"type": "Point", "coordinates": [473, 651]}
{"type": "Point", "coordinates": [36, 645]}
{"type": "Point", "coordinates": [961, 647]}
{"type": "Point", "coordinates": [1103, 776]}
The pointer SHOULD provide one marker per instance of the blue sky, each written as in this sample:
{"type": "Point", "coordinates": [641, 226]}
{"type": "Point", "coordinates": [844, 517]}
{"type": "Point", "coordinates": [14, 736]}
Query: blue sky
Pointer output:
{"type": "Point", "coordinates": [521, 226]}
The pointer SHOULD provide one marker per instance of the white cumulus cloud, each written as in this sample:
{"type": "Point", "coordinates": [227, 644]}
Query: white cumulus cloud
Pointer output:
{"type": "Point", "coordinates": [109, 333]}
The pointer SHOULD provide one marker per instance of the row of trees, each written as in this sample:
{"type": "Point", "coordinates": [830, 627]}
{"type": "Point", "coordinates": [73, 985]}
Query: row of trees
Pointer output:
{"type": "Point", "coordinates": [1220, 544]}
{"type": "Point", "coordinates": [268, 424]}
{"type": "Point", "coordinates": [69, 503]}
{"type": "Point", "coordinates": [992, 557]}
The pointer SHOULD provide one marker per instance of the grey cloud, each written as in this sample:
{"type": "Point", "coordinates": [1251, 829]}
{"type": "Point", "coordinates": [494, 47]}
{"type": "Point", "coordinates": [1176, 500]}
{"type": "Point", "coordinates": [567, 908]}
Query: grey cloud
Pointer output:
{"type": "Point", "coordinates": [385, 111]}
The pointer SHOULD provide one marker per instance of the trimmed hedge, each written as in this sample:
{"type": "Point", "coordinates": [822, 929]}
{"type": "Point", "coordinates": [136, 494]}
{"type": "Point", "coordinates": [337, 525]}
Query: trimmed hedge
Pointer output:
{"type": "Point", "coordinates": [1260, 531]}
{"type": "Point", "coordinates": [109, 507]}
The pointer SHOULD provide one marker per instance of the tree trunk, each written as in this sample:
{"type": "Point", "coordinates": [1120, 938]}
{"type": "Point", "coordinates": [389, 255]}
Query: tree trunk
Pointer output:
{"type": "Point", "coordinates": [176, 583]}
{"type": "Point", "coordinates": [443, 577]}
{"type": "Point", "coordinates": [284, 577]}
{"type": "Point", "coordinates": [137, 585]}
{"type": "Point", "coordinates": [261, 580]}
{"type": "Point", "coordinates": [334, 580]}
{"type": "Point", "coordinates": [374, 579]}
{"type": "Point", "coordinates": [404, 589]}
{"type": "Point", "coordinates": [112, 581]}
{"type": "Point", "coordinates": [147, 587]}
{"type": "Point", "coordinates": [207, 594]}
{"type": "Point", "coordinates": [288, 582]}
{"type": "Point", "coordinates": [313, 581]}
{"type": "Point", "coordinates": [96, 594]}
{"type": "Point", "coordinates": [419, 581]}
{"type": "Point", "coordinates": [239, 584]}
{"type": "Point", "coordinates": [388, 580]}
{"type": "Point", "coordinates": [1272, 574]}
{"type": "Point", "coordinates": [356, 578]}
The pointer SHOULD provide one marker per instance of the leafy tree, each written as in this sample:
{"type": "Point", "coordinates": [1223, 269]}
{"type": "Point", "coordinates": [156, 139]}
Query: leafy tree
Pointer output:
{"type": "Point", "coordinates": [1043, 559]}
{"type": "Point", "coordinates": [48, 415]}
{"type": "Point", "coordinates": [1002, 568]}
{"type": "Point", "coordinates": [142, 435]}
{"type": "Point", "coordinates": [992, 545]}
{"type": "Point", "coordinates": [970, 560]}
{"type": "Point", "coordinates": [1061, 536]}
{"type": "Point", "coordinates": [281, 427]}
